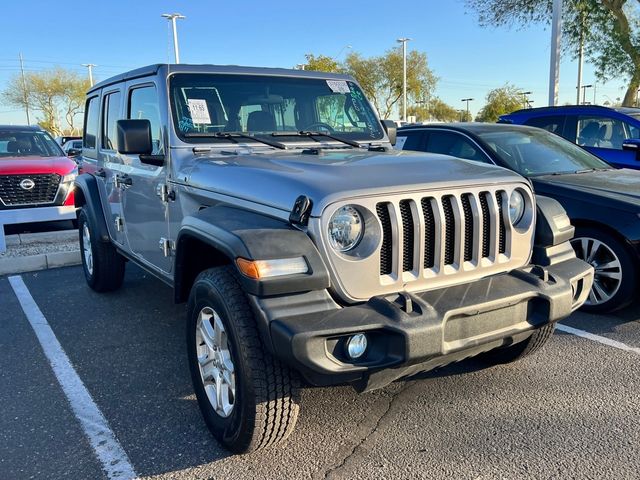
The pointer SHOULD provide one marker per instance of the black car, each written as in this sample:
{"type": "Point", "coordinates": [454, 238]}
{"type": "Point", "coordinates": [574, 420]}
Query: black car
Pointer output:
{"type": "Point", "coordinates": [602, 202]}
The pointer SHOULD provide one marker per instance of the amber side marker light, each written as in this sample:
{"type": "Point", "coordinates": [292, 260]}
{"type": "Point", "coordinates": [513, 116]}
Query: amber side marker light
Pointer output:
{"type": "Point", "coordinates": [258, 269]}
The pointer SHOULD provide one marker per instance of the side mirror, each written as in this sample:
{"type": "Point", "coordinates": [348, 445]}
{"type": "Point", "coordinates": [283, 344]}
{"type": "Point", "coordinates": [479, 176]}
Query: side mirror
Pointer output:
{"type": "Point", "coordinates": [134, 137]}
{"type": "Point", "coordinates": [632, 145]}
{"type": "Point", "coordinates": [73, 152]}
{"type": "Point", "coordinates": [391, 129]}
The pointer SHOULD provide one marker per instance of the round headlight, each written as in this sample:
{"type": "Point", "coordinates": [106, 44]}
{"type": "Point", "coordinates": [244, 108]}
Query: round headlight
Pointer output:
{"type": "Point", "coordinates": [516, 207]}
{"type": "Point", "coordinates": [345, 228]}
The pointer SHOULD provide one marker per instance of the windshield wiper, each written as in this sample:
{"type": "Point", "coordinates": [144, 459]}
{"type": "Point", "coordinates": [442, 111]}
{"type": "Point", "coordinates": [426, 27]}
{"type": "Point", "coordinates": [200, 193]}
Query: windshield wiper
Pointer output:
{"type": "Point", "coordinates": [588, 170]}
{"type": "Point", "coordinates": [233, 136]}
{"type": "Point", "coordinates": [317, 134]}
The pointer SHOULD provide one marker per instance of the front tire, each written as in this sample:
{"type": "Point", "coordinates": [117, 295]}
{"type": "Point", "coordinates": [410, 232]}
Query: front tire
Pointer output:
{"type": "Point", "coordinates": [615, 270]}
{"type": "Point", "coordinates": [520, 350]}
{"type": "Point", "coordinates": [103, 266]}
{"type": "Point", "coordinates": [248, 399]}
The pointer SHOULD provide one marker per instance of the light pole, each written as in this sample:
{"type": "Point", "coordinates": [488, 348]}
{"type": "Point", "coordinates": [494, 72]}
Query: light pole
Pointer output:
{"type": "Point", "coordinates": [173, 17]}
{"type": "Point", "coordinates": [554, 62]}
{"type": "Point", "coordinates": [467, 100]}
{"type": "Point", "coordinates": [90, 68]}
{"type": "Point", "coordinates": [404, 41]}
{"type": "Point", "coordinates": [638, 98]}
{"type": "Point", "coordinates": [342, 50]}
{"type": "Point", "coordinates": [584, 93]}
{"type": "Point", "coordinates": [525, 100]}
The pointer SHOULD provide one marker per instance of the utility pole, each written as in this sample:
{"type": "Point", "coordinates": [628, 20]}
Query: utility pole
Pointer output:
{"type": "Point", "coordinates": [90, 68]}
{"type": "Point", "coordinates": [554, 63]}
{"type": "Point", "coordinates": [172, 17]}
{"type": "Point", "coordinates": [25, 97]}
{"type": "Point", "coordinates": [594, 93]}
{"type": "Point", "coordinates": [467, 100]}
{"type": "Point", "coordinates": [584, 93]}
{"type": "Point", "coordinates": [404, 41]}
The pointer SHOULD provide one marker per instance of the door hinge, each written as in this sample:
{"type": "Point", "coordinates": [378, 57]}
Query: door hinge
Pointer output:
{"type": "Point", "coordinates": [119, 223]}
{"type": "Point", "coordinates": [162, 190]}
{"type": "Point", "coordinates": [166, 246]}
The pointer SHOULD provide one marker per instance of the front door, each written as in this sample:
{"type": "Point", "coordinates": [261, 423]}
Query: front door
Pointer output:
{"type": "Point", "coordinates": [146, 222]}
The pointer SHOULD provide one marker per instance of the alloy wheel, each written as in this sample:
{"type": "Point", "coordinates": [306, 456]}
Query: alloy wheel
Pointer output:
{"type": "Point", "coordinates": [607, 265]}
{"type": "Point", "coordinates": [86, 248]}
{"type": "Point", "coordinates": [214, 362]}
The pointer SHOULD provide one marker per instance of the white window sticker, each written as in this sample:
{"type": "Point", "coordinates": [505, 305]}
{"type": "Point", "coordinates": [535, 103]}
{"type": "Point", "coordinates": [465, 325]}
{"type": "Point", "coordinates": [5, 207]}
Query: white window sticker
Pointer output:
{"type": "Point", "coordinates": [400, 141]}
{"type": "Point", "coordinates": [338, 86]}
{"type": "Point", "coordinates": [199, 111]}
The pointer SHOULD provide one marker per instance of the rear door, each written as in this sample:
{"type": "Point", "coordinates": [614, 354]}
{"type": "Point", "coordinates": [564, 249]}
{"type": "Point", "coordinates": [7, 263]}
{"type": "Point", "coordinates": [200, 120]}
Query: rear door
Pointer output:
{"type": "Point", "coordinates": [603, 136]}
{"type": "Point", "coordinates": [145, 212]}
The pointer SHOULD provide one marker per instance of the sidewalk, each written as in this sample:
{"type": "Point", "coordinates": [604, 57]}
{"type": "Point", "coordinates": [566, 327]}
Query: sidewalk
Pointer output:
{"type": "Point", "coordinates": [28, 252]}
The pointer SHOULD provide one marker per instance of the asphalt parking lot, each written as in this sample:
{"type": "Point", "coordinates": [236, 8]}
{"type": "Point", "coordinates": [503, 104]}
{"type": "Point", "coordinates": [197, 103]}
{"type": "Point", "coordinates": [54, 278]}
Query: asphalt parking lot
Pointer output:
{"type": "Point", "coordinates": [572, 410]}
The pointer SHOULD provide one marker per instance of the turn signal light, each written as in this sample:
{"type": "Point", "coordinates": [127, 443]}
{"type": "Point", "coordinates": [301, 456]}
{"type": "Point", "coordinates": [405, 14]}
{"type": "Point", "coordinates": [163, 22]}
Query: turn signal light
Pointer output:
{"type": "Point", "coordinates": [258, 269]}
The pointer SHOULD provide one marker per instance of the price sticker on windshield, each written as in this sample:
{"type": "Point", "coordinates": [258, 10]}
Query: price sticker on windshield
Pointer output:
{"type": "Point", "coordinates": [338, 86]}
{"type": "Point", "coordinates": [199, 111]}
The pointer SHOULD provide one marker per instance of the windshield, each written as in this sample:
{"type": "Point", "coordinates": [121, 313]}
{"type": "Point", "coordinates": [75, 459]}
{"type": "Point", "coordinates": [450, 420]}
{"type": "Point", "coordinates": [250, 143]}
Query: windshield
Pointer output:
{"type": "Point", "coordinates": [262, 105]}
{"type": "Point", "coordinates": [19, 143]}
{"type": "Point", "coordinates": [537, 152]}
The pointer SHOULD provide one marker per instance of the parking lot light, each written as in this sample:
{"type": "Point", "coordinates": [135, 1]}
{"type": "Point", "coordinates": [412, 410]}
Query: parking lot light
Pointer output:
{"type": "Point", "coordinates": [173, 17]}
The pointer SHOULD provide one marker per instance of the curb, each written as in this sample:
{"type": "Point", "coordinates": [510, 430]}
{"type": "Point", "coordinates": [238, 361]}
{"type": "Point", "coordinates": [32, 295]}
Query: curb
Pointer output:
{"type": "Point", "coordinates": [42, 237]}
{"type": "Point", "coordinates": [42, 261]}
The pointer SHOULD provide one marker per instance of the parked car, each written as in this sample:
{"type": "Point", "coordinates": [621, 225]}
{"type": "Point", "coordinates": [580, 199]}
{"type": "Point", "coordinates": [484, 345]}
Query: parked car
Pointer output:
{"type": "Point", "coordinates": [61, 140]}
{"type": "Point", "coordinates": [272, 202]}
{"type": "Point", "coordinates": [34, 171]}
{"type": "Point", "coordinates": [613, 134]}
{"type": "Point", "coordinates": [72, 148]}
{"type": "Point", "coordinates": [603, 203]}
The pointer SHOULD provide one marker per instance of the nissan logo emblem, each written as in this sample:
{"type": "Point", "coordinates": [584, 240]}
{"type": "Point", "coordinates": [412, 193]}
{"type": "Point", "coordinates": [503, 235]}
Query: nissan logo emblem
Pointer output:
{"type": "Point", "coordinates": [27, 184]}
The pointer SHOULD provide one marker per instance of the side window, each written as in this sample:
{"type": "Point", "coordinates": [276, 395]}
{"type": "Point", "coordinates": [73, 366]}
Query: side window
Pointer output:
{"type": "Point", "coordinates": [110, 115]}
{"type": "Point", "coordinates": [411, 140]}
{"type": "Point", "coordinates": [551, 123]}
{"type": "Point", "coordinates": [91, 122]}
{"type": "Point", "coordinates": [143, 103]}
{"type": "Point", "coordinates": [601, 132]}
{"type": "Point", "coordinates": [454, 144]}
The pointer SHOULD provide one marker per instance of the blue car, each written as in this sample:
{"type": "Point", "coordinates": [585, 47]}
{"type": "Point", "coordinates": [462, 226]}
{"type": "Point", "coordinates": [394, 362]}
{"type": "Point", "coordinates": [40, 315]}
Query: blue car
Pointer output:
{"type": "Point", "coordinates": [613, 134]}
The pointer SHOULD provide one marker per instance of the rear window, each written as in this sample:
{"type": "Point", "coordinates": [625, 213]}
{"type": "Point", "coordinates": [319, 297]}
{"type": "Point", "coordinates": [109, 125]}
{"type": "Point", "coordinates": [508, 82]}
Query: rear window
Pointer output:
{"type": "Point", "coordinates": [552, 123]}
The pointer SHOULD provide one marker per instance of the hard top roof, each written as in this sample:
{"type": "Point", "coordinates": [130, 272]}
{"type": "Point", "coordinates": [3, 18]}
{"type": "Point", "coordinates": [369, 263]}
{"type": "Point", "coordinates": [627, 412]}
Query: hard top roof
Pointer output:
{"type": "Point", "coordinates": [164, 69]}
{"type": "Point", "coordinates": [625, 110]}
{"type": "Point", "coordinates": [24, 128]}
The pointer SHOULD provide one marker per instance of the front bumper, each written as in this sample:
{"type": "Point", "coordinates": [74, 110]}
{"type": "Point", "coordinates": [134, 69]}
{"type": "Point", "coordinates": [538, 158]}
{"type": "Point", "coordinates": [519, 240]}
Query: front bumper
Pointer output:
{"type": "Point", "coordinates": [409, 333]}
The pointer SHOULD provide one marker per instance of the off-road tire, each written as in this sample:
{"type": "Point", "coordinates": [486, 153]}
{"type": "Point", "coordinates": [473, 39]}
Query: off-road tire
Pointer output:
{"type": "Point", "coordinates": [107, 272]}
{"type": "Point", "coordinates": [266, 403]}
{"type": "Point", "coordinates": [520, 350]}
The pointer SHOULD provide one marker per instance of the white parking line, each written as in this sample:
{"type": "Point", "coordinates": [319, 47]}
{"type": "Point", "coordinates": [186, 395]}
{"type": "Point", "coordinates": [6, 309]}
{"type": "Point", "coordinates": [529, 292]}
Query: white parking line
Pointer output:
{"type": "Point", "coordinates": [108, 450]}
{"type": "Point", "coordinates": [597, 338]}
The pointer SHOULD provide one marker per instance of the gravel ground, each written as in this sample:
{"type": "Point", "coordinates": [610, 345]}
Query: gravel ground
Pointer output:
{"type": "Point", "coordinates": [38, 248]}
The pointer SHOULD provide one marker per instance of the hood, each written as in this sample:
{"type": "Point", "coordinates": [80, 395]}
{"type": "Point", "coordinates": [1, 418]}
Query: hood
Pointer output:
{"type": "Point", "coordinates": [619, 185]}
{"type": "Point", "coordinates": [33, 165]}
{"type": "Point", "coordinates": [278, 178]}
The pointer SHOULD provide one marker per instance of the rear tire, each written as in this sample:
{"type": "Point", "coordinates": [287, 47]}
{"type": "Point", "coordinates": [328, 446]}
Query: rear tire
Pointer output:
{"type": "Point", "coordinates": [249, 400]}
{"type": "Point", "coordinates": [520, 350]}
{"type": "Point", "coordinates": [103, 266]}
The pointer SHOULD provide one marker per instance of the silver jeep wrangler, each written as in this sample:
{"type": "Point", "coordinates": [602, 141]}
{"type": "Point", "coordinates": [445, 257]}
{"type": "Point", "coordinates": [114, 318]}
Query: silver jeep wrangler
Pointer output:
{"type": "Point", "coordinates": [307, 250]}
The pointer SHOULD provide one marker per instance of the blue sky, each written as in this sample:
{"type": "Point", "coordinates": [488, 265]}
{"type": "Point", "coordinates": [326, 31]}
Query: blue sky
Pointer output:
{"type": "Point", "coordinates": [118, 35]}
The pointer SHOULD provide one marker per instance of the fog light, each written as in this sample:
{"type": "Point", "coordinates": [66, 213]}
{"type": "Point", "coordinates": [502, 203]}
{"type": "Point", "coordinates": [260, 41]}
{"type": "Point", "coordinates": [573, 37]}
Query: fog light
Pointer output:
{"type": "Point", "coordinates": [356, 345]}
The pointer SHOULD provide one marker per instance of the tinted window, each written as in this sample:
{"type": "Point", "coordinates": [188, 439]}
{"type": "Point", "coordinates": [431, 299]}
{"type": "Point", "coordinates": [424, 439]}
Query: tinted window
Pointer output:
{"type": "Point", "coordinates": [602, 132]}
{"type": "Point", "coordinates": [552, 123]}
{"type": "Point", "coordinates": [111, 116]}
{"type": "Point", "coordinates": [411, 140]}
{"type": "Point", "coordinates": [536, 152]}
{"type": "Point", "coordinates": [454, 144]}
{"type": "Point", "coordinates": [143, 103]}
{"type": "Point", "coordinates": [91, 123]}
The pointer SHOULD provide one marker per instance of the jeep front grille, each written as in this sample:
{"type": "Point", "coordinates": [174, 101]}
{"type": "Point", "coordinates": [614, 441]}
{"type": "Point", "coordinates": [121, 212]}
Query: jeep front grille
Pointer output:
{"type": "Point", "coordinates": [458, 241]}
{"type": "Point", "coordinates": [425, 240]}
{"type": "Point", "coordinates": [43, 192]}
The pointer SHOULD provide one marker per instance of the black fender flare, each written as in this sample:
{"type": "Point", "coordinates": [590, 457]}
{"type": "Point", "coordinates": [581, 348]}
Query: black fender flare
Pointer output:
{"type": "Point", "coordinates": [90, 200]}
{"type": "Point", "coordinates": [553, 233]}
{"type": "Point", "coordinates": [239, 233]}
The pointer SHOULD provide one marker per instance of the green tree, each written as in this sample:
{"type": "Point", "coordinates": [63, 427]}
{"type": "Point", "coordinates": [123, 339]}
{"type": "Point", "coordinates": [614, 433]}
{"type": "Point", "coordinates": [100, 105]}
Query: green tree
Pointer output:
{"type": "Point", "coordinates": [610, 30]}
{"type": "Point", "coordinates": [322, 63]}
{"type": "Point", "coordinates": [434, 109]}
{"type": "Point", "coordinates": [500, 101]}
{"type": "Point", "coordinates": [381, 77]}
{"type": "Point", "coordinates": [49, 93]}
